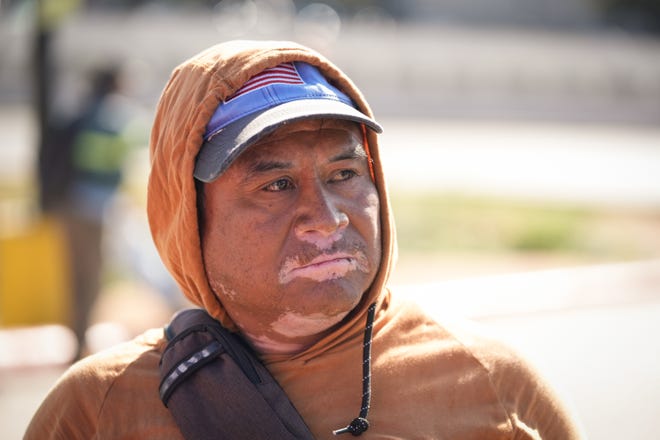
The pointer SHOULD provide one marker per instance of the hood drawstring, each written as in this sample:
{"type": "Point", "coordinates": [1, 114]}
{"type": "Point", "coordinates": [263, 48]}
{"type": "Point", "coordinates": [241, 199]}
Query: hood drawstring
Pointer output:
{"type": "Point", "coordinates": [360, 423]}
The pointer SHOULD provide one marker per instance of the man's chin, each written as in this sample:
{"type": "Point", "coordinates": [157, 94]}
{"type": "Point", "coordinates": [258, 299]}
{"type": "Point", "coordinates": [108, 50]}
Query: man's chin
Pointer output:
{"type": "Point", "coordinates": [300, 324]}
{"type": "Point", "coordinates": [333, 295]}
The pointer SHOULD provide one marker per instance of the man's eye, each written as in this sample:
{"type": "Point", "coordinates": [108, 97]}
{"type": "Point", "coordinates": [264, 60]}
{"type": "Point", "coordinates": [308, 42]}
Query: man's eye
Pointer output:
{"type": "Point", "coordinates": [344, 175]}
{"type": "Point", "coordinates": [279, 185]}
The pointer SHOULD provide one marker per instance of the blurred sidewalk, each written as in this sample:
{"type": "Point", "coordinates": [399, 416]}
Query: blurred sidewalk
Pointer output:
{"type": "Point", "coordinates": [589, 164]}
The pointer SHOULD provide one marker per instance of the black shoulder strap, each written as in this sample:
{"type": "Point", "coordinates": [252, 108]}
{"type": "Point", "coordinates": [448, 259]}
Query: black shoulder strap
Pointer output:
{"type": "Point", "coordinates": [216, 388]}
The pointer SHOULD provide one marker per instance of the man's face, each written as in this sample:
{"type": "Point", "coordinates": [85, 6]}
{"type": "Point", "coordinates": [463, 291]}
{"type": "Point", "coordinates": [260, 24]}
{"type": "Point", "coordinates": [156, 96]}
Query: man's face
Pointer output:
{"type": "Point", "coordinates": [292, 237]}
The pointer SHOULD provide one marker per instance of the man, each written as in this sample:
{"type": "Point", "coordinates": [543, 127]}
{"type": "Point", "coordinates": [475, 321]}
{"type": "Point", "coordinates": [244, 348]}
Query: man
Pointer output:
{"type": "Point", "coordinates": [97, 154]}
{"type": "Point", "coordinates": [268, 204]}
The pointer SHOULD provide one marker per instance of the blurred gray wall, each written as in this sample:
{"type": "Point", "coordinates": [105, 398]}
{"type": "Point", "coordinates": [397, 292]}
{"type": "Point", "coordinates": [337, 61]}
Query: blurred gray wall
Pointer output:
{"type": "Point", "coordinates": [497, 59]}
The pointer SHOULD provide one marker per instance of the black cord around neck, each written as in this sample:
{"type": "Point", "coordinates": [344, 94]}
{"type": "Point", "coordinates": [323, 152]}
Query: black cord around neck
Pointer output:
{"type": "Point", "coordinates": [360, 423]}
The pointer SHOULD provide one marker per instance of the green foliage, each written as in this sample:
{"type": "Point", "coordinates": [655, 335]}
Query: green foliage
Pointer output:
{"type": "Point", "coordinates": [433, 222]}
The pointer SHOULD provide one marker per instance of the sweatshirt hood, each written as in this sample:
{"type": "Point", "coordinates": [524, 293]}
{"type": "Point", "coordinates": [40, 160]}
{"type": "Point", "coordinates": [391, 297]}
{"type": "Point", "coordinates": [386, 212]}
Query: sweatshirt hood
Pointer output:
{"type": "Point", "coordinates": [191, 96]}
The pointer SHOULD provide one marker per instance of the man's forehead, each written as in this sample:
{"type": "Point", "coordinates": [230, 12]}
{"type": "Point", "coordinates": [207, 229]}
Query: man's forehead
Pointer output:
{"type": "Point", "coordinates": [346, 136]}
{"type": "Point", "coordinates": [312, 125]}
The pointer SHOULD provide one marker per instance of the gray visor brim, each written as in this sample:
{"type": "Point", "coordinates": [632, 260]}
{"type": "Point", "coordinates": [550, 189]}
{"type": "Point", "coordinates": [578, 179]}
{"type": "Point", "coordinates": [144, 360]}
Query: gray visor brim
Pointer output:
{"type": "Point", "coordinates": [218, 152]}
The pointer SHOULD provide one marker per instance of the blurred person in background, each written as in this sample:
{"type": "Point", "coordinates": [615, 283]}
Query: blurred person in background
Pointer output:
{"type": "Point", "coordinates": [80, 172]}
{"type": "Point", "coordinates": [268, 204]}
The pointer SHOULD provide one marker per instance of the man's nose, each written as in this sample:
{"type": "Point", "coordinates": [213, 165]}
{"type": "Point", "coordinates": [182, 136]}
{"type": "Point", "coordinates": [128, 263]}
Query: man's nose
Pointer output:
{"type": "Point", "coordinates": [321, 218]}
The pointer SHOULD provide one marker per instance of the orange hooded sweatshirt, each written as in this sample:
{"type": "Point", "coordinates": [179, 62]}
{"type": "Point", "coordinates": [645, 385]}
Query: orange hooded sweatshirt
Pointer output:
{"type": "Point", "coordinates": [429, 380]}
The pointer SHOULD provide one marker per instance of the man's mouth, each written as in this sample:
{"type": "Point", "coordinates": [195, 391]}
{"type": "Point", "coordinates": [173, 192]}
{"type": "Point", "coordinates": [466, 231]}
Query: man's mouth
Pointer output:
{"type": "Point", "coordinates": [322, 268]}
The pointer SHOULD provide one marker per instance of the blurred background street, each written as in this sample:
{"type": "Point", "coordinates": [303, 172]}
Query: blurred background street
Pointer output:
{"type": "Point", "coordinates": [522, 143]}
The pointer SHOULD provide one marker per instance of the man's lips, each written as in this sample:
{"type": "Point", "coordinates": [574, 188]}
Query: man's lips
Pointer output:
{"type": "Point", "coordinates": [321, 268]}
{"type": "Point", "coordinates": [326, 259]}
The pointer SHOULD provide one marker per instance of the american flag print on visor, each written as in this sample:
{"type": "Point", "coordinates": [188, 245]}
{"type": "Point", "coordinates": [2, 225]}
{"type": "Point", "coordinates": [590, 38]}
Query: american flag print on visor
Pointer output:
{"type": "Point", "coordinates": [283, 74]}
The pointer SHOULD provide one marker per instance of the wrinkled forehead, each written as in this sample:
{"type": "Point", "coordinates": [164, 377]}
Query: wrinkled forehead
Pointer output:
{"type": "Point", "coordinates": [341, 134]}
{"type": "Point", "coordinates": [312, 125]}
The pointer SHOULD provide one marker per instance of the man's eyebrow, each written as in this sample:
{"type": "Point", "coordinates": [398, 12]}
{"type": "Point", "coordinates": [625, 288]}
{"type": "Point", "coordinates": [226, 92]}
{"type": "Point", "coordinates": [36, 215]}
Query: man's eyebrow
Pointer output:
{"type": "Point", "coordinates": [263, 166]}
{"type": "Point", "coordinates": [354, 153]}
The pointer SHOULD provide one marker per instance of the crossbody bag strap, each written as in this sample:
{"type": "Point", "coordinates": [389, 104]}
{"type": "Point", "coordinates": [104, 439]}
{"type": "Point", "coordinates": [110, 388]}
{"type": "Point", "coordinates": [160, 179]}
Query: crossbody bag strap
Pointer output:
{"type": "Point", "coordinates": [216, 388]}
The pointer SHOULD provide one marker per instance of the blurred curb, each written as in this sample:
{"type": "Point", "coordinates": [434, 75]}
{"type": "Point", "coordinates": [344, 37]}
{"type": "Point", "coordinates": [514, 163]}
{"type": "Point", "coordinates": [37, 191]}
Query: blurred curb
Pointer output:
{"type": "Point", "coordinates": [542, 291]}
